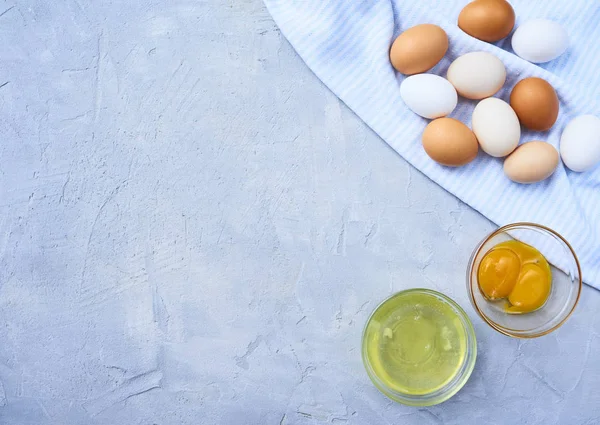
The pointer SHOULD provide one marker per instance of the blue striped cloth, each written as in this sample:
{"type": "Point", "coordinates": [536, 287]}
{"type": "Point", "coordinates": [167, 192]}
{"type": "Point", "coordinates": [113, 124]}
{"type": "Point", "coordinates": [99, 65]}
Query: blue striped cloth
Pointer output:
{"type": "Point", "coordinates": [346, 44]}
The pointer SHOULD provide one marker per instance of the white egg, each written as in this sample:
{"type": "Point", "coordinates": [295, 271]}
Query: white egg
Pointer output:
{"type": "Point", "coordinates": [496, 126]}
{"type": "Point", "coordinates": [428, 95]}
{"type": "Point", "coordinates": [477, 75]}
{"type": "Point", "coordinates": [580, 143]}
{"type": "Point", "coordinates": [540, 40]}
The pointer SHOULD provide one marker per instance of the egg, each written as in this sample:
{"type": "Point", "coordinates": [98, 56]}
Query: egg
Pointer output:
{"type": "Point", "coordinates": [477, 75]}
{"type": "Point", "coordinates": [487, 20]}
{"type": "Point", "coordinates": [536, 103]}
{"type": "Point", "coordinates": [428, 95]}
{"type": "Point", "coordinates": [540, 40]}
{"type": "Point", "coordinates": [580, 143]}
{"type": "Point", "coordinates": [531, 162]}
{"type": "Point", "coordinates": [496, 126]}
{"type": "Point", "coordinates": [418, 49]}
{"type": "Point", "coordinates": [449, 142]}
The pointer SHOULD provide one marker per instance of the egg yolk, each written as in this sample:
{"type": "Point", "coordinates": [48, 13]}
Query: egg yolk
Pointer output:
{"type": "Point", "coordinates": [517, 272]}
{"type": "Point", "coordinates": [498, 273]}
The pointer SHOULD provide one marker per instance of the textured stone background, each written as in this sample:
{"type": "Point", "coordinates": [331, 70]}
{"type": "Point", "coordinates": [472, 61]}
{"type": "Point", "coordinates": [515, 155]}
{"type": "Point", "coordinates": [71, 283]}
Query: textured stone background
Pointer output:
{"type": "Point", "coordinates": [193, 230]}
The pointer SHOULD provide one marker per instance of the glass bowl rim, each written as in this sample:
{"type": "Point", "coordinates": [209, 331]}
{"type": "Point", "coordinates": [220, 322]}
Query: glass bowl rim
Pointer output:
{"type": "Point", "coordinates": [504, 229]}
{"type": "Point", "coordinates": [451, 388]}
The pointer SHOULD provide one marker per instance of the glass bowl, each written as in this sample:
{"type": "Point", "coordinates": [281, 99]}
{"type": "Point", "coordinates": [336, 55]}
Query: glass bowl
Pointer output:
{"type": "Point", "coordinates": [419, 347]}
{"type": "Point", "coordinates": [565, 290]}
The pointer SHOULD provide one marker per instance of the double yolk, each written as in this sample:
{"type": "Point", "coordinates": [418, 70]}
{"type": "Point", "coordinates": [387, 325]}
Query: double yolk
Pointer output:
{"type": "Point", "coordinates": [517, 272]}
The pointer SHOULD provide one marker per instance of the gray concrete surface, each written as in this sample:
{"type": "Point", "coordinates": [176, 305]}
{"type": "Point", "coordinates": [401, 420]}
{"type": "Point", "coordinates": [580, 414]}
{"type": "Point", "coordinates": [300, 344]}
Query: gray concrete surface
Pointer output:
{"type": "Point", "coordinates": [193, 230]}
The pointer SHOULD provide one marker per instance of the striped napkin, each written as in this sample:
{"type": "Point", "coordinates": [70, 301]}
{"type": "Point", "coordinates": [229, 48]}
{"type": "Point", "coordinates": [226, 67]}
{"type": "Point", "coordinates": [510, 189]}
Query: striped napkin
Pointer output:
{"type": "Point", "coordinates": [346, 44]}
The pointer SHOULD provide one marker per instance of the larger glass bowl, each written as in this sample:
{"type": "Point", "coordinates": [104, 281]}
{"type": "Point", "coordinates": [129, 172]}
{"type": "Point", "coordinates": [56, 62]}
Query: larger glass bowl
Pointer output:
{"type": "Point", "coordinates": [566, 282]}
{"type": "Point", "coordinates": [452, 363]}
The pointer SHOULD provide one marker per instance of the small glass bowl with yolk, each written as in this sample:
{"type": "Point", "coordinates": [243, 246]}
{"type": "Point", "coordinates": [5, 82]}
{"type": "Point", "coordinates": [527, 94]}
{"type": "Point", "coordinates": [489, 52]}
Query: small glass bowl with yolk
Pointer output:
{"type": "Point", "coordinates": [524, 280]}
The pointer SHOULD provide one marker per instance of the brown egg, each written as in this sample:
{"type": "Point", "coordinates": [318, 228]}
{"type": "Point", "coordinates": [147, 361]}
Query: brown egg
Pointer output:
{"type": "Point", "coordinates": [536, 103]}
{"type": "Point", "coordinates": [531, 162]}
{"type": "Point", "coordinates": [450, 142]}
{"type": "Point", "coordinates": [418, 49]}
{"type": "Point", "coordinates": [487, 20]}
